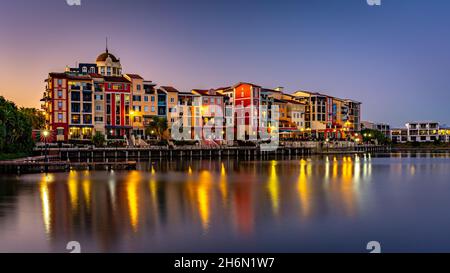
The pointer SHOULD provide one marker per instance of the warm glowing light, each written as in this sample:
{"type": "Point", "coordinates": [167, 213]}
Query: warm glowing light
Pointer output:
{"type": "Point", "coordinates": [273, 187]}
{"type": "Point", "coordinates": [45, 201]}
{"type": "Point", "coordinates": [86, 186]}
{"type": "Point", "coordinates": [303, 189]}
{"type": "Point", "coordinates": [223, 183]}
{"type": "Point", "coordinates": [132, 183]}
{"type": "Point", "coordinates": [203, 198]}
{"type": "Point", "coordinates": [73, 189]}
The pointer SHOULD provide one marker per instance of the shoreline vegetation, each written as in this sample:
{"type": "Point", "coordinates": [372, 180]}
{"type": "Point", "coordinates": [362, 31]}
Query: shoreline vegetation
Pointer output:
{"type": "Point", "coordinates": [16, 125]}
{"type": "Point", "coordinates": [424, 146]}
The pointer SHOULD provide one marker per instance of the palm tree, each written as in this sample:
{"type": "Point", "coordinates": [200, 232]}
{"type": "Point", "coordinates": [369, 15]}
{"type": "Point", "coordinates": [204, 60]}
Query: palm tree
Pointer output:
{"type": "Point", "coordinates": [157, 127]}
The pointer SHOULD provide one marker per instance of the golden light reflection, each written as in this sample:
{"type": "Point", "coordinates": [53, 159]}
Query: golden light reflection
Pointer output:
{"type": "Point", "coordinates": [347, 184]}
{"type": "Point", "coordinates": [73, 189]}
{"type": "Point", "coordinates": [357, 170]}
{"type": "Point", "coordinates": [327, 169]}
{"type": "Point", "coordinates": [223, 184]}
{"type": "Point", "coordinates": [203, 198]}
{"type": "Point", "coordinates": [303, 189]}
{"type": "Point", "coordinates": [190, 170]}
{"type": "Point", "coordinates": [132, 183]}
{"type": "Point", "coordinates": [45, 201]}
{"type": "Point", "coordinates": [86, 186]}
{"type": "Point", "coordinates": [274, 188]}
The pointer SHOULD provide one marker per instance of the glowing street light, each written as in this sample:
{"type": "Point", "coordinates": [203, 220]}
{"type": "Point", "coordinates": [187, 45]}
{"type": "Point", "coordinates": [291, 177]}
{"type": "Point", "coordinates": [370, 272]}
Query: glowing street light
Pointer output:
{"type": "Point", "coordinates": [45, 134]}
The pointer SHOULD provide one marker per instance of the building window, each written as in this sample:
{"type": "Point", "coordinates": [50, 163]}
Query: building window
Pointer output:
{"type": "Point", "coordinates": [92, 70]}
{"type": "Point", "coordinates": [99, 119]}
{"type": "Point", "coordinates": [145, 98]}
{"type": "Point", "coordinates": [60, 105]}
{"type": "Point", "coordinates": [59, 82]}
{"type": "Point", "coordinates": [75, 107]}
{"type": "Point", "coordinates": [60, 94]}
{"type": "Point", "coordinates": [172, 100]}
{"type": "Point", "coordinates": [138, 87]}
{"type": "Point", "coordinates": [75, 96]}
{"type": "Point", "coordinates": [76, 119]}
{"type": "Point", "coordinates": [87, 107]}
{"type": "Point", "coordinates": [87, 119]}
{"type": "Point", "coordinates": [84, 69]}
{"type": "Point", "coordinates": [60, 117]}
{"type": "Point", "coordinates": [153, 98]}
{"type": "Point", "coordinates": [145, 108]}
{"type": "Point", "coordinates": [98, 108]}
{"type": "Point", "coordinates": [153, 108]}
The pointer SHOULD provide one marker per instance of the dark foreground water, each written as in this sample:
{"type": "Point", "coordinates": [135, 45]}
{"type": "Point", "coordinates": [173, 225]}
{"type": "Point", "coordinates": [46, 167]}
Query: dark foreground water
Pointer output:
{"type": "Point", "coordinates": [317, 204]}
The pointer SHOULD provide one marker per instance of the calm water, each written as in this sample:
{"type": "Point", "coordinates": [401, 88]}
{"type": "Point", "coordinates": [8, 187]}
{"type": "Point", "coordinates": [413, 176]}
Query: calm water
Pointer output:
{"type": "Point", "coordinates": [317, 204]}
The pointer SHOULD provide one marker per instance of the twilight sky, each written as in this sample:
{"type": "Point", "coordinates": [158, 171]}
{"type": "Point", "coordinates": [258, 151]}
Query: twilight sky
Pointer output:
{"type": "Point", "coordinates": [394, 58]}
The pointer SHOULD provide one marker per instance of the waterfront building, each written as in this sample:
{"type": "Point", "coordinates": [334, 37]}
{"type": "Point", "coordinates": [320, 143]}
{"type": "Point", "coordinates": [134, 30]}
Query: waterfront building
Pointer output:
{"type": "Point", "coordinates": [444, 134]}
{"type": "Point", "coordinates": [419, 131]}
{"type": "Point", "coordinates": [246, 102]}
{"type": "Point", "coordinates": [422, 131]}
{"type": "Point", "coordinates": [382, 127]}
{"type": "Point", "coordinates": [330, 117]}
{"type": "Point", "coordinates": [211, 105]}
{"type": "Point", "coordinates": [399, 135]}
{"type": "Point", "coordinates": [97, 97]}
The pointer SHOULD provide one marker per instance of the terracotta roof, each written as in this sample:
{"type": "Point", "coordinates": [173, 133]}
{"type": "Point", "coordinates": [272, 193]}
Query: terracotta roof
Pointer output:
{"type": "Point", "coordinates": [134, 76]}
{"type": "Point", "coordinates": [170, 89]}
{"type": "Point", "coordinates": [95, 75]}
{"type": "Point", "coordinates": [57, 75]}
{"type": "Point", "coordinates": [204, 92]}
{"type": "Point", "coordinates": [270, 90]}
{"type": "Point", "coordinates": [223, 88]}
{"type": "Point", "coordinates": [239, 83]}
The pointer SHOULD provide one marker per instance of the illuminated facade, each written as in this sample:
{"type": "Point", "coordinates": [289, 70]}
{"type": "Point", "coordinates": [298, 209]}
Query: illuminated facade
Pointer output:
{"type": "Point", "coordinates": [97, 97]}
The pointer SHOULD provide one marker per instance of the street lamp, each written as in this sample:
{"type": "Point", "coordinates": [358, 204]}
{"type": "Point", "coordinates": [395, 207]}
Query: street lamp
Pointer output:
{"type": "Point", "coordinates": [45, 133]}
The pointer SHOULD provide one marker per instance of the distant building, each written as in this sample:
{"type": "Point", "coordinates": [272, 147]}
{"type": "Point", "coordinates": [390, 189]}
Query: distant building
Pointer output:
{"type": "Point", "coordinates": [419, 131]}
{"type": "Point", "coordinates": [423, 131]}
{"type": "Point", "coordinates": [382, 127]}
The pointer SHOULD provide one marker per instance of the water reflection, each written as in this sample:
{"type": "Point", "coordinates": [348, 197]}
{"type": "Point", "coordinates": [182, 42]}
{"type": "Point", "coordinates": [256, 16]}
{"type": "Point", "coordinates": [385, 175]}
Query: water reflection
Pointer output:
{"type": "Point", "coordinates": [173, 203]}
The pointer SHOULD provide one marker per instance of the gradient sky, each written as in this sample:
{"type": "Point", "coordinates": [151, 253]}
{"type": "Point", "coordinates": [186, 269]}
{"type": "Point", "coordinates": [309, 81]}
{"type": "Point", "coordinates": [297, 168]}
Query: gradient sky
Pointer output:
{"type": "Point", "coordinates": [394, 58]}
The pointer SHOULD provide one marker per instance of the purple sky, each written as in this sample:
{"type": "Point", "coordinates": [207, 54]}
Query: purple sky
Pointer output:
{"type": "Point", "coordinates": [394, 58]}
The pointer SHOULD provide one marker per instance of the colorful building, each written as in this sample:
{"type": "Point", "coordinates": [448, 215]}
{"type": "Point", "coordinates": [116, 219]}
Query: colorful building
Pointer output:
{"type": "Point", "coordinates": [98, 97]}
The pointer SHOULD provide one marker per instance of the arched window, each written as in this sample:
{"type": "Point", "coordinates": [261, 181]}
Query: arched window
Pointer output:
{"type": "Point", "coordinates": [84, 69]}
